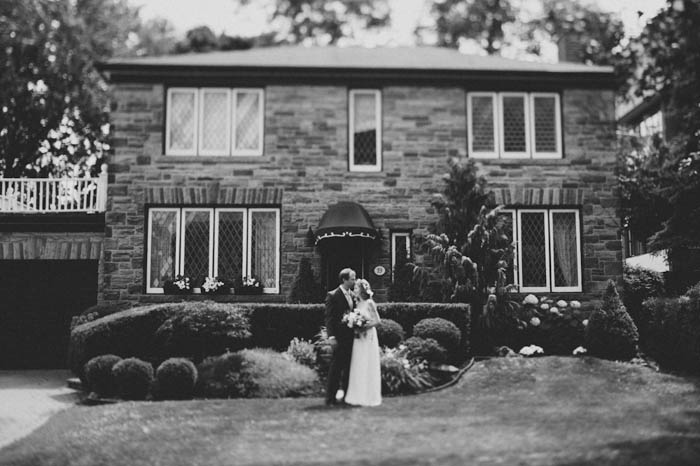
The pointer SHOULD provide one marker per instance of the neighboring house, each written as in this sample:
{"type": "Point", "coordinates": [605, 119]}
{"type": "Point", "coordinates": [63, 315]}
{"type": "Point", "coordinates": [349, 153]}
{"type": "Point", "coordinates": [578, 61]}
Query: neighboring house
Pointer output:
{"type": "Point", "coordinates": [241, 163]}
{"type": "Point", "coordinates": [643, 119]}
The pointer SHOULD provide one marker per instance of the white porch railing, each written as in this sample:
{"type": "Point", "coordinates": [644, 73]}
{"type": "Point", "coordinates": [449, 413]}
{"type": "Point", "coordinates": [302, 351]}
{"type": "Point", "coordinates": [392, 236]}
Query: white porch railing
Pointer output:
{"type": "Point", "coordinates": [53, 195]}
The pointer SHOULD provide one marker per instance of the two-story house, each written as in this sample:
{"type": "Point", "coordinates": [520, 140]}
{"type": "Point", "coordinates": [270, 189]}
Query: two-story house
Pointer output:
{"type": "Point", "coordinates": [242, 163]}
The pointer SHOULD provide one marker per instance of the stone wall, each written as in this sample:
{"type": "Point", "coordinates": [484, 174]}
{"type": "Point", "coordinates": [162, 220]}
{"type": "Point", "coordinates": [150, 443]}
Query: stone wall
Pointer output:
{"type": "Point", "coordinates": [305, 168]}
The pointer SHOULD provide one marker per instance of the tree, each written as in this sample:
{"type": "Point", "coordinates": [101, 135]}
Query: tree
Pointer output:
{"type": "Point", "coordinates": [595, 32]}
{"type": "Point", "coordinates": [665, 178]}
{"type": "Point", "coordinates": [323, 22]}
{"type": "Point", "coordinates": [52, 100]}
{"type": "Point", "coordinates": [481, 20]}
{"type": "Point", "coordinates": [155, 37]}
{"type": "Point", "coordinates": [306, 288]}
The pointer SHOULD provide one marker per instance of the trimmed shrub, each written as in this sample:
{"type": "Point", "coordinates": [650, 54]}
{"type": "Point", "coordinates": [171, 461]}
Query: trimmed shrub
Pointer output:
{"type": "Point", "coordinates": [672, 334]}
{"type": "Point", "coordinates": [95, 312]}
{"type": "Point", "coordinates": [204, 332]}
{"type": "Point", "coordinates": [639, 285]}
{"type": "Point", "coordinates": [390, 333]}
{"type": "Point", "coordinates": [132, 332]}
{"type": "Point", "coordinates": [98, 375]}
{"type": "Point", "coordinates": [133, 378]}
{"type": "Point", "coordinates": [306, 288]}
{"type": "Point", "coordinates": [443, 331]}
{"type": "Point", "coordinates": [611, 332]}
{"type": "Point", "coordinates": [176, 379]}
{"type": "Point", "coordinates": [303, 352]}
{"type": "Point", "coordinates": [256, 373]}
{"type": "Point", "coordinates": [425, 349]}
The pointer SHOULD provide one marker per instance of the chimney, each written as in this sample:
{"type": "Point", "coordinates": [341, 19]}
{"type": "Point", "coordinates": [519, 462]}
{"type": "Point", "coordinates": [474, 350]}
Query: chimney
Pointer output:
{"type": "Point", "coordinates": [570, 49]}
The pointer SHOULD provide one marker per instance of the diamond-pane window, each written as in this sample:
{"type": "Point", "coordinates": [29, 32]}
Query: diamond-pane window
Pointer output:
{"type": "Point", "coordinates": [214, 122]}
{"type": "Point", "coordinates": [182, 113]}
{"type": "Point", "coordinates": [533, 244]}
{"type": "Point", "coordinates": [508, 218]}
{"type": "Point", "coordinates": [365, 130]}
{"type": "Point", "coordinates": [545, 123]}
{"type": "Point", "coordinates": [263, 247]}
{"type": "Point", "coordinates": [248, 124]}
{"type": "Point", "coordinates": [565, 248]}
{"type": "Point", "coordinates": [514, 124]}
{"type": "Point", "coordinates": [162, 246]}
{"type": "Point", "coordinates": [231, 241]}
{"type": "Point", "coordinates": [197, 243]}
{"type": "Point", "coordinates": [482, 125]}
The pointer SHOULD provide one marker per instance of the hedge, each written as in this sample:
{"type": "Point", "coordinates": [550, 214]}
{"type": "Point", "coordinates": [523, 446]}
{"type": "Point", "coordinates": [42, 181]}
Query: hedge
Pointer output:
{"type": "Point", "coordinates": [131, 333]}
{"type": "Point", "coordinates": [670, 330]}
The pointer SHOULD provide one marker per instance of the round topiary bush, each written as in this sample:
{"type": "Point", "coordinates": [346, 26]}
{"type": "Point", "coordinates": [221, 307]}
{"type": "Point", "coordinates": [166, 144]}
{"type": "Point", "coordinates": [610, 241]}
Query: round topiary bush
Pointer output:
{"type": "Point", "coordinates": [425, 349]}
{"type": "Point", "coordinates": [98, 374]}
{"type": "Point", "coordinates": [176, 379]}
{"type": "Point", "coordinates": [133, 378]}
{"type": "Point", "coordinates": [443, 331]}
{"type": "Point", "coordinates": [611, 332]}
{"type": "Point", "coordinates": [390, 333]}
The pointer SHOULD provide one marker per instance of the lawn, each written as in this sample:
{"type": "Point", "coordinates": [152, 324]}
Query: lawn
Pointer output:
{"type": "Point", "coordinates": [546, 411]}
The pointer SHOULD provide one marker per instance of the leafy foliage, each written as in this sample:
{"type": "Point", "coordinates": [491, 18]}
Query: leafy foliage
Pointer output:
{"type": "Point", "coordinates": [400, 376]}
{"type": "Point", "coordinates": [176, 379]}
{"type": "Point", "coordinates": [98, 374]}
{"type": "Point", "coordinates": [325, 23]}
{"type": "Point", "coordinates": [639, 285]}
{"type": "Point", "coordinates": [403, 288]}
{"type": "Point", "coordinates": [306, 288]}
{"type": "Point", "coordinates": [611, 332]}
{"type": "Point", "coordinates": [390, 333]}
{"type": "Point", "coordinates": [425, 349]}
{"type": "Point", "coordinates": [657, 178]}
{"type": "Point", "coordinates": [303, 352]}
{"type": "Point", "coordinates": [443, 331]}
{"type": "Point", "coordinates": [133, 378]}
{"type": "Point", "coordinates": [256, 373]}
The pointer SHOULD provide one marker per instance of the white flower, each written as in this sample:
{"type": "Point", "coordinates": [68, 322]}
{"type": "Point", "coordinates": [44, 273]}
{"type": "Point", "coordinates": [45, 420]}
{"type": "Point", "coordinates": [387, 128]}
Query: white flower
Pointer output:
{"type": "Point", "coordinates": [585, 322]}
{"type": "Point", "coordinates": [575, 305]}
{"type": "Point", "coordinates": [531, 350]}
{"type": "Point", "coordinates": [554, 310]}
{"type": "Point", "coordinates": [580, 350]}
{"type": "Point", "coordinates": [561, 303]}
{"type": "Point", "coordinates": [530, 299]}
{"type": "Point", "coordinates": [544, 306]}
{"type": "Point", "coordinates": [535, 322]}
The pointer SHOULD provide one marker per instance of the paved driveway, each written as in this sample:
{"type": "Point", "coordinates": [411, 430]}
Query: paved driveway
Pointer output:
{"type": "Point", "coordinates": [29, 398]}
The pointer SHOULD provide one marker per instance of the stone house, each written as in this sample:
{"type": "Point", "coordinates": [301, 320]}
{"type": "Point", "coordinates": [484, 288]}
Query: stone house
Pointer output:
{"type": "Point", "coordinates": [242, 163]}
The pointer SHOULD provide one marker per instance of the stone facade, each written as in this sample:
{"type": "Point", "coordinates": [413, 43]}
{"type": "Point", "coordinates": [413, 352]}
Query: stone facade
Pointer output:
{"type": "Point", "coordinates": [304, 169]}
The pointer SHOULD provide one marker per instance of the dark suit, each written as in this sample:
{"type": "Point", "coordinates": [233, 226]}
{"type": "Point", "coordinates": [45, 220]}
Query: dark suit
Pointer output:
{"type": "Point", "coordinates": [339, 372]}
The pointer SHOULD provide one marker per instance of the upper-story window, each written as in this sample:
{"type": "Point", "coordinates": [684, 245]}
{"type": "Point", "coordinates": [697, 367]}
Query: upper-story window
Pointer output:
{"type": "Point", "coordinates": [365, 132]}
{"type": "Point", "coordinates": [214, 121]}
{"type": "Point", "coordinates": [514, 125]}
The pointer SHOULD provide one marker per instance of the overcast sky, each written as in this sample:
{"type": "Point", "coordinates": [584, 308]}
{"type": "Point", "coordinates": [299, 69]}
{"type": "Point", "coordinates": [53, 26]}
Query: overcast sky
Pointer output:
{"type": "Point", "coordinates": [222, 15]}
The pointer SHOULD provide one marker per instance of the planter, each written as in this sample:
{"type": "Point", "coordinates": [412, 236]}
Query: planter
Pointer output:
{"type": "Point", "coordinates": [249, 290]}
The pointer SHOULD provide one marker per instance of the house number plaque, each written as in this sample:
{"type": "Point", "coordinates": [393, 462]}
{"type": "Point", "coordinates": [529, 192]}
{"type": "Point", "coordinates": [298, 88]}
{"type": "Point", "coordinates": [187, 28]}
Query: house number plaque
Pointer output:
{"type": "Point", "coordinates": [379, 271]}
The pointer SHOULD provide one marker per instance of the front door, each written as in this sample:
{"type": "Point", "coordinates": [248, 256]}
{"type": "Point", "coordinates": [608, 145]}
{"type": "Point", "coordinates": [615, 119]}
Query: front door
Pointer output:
{"type": "Point", "coordinates": [339, 253]}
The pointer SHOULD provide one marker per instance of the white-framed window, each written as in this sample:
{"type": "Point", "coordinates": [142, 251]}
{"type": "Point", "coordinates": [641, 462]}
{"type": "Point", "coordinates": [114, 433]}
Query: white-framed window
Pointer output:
{"type": "Point", "coordinates": [212, 121]}
{"type": "Point", "coordinates": [547, 249]}
{"type": "Point", "coordinates": [514, 125]}
{"type": "Point", "coordinates": [401, 250]}
{"type": "Point", "coordinates": [365, 130]}
{"type": "Point", "coordinates": [228, 242]}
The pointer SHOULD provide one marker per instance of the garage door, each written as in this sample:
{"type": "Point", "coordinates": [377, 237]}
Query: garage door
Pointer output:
{"type": "Point", "coordinates": [37, 300]}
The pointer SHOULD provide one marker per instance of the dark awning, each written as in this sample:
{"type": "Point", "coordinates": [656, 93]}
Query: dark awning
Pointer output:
{"type": "Point", "coordinates": [346, 220]}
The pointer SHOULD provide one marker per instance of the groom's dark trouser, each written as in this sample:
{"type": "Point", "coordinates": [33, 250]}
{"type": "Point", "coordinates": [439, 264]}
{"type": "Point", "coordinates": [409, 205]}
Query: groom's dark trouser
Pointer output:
{"type": "Point", "coordinates": [339, 371]}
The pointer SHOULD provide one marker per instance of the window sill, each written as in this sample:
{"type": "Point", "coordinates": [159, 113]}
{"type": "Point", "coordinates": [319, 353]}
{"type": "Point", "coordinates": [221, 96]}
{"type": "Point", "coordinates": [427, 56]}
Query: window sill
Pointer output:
{"type": "Point", "coordinates": [520, 162]}
{"type": "Point", "coordinates": [219, 298]}
{"type": "Point", "coordinates": [209, 159]}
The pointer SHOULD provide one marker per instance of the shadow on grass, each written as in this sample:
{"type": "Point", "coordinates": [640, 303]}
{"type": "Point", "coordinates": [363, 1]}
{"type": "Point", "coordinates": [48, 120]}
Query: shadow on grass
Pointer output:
{"type": "Point", "coordinates": [680, 447]}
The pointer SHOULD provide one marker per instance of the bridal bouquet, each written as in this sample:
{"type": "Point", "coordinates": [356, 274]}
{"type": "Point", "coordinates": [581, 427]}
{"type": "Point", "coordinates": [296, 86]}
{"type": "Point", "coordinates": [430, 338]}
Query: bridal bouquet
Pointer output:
{"type": "Point", "coordinates": [355, 321]}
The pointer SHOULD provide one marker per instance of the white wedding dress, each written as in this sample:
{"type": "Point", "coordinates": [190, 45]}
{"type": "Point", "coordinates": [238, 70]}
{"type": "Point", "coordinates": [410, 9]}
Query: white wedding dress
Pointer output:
{"type": "Point", "coordinates": [365, 385]}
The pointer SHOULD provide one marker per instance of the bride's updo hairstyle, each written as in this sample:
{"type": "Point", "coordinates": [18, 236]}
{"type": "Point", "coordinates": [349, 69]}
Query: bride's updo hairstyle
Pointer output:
{"type": "Point", "coordinates": [365, 290]}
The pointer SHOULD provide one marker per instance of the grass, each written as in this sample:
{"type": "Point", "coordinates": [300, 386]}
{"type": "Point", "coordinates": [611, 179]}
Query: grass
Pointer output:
{"type": "Point", "coordinates": [546, 411]}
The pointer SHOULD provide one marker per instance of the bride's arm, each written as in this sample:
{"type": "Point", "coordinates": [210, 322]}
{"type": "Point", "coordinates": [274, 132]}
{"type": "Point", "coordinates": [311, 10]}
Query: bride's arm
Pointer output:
{"type": "Point", "coordinates": [374, 321]}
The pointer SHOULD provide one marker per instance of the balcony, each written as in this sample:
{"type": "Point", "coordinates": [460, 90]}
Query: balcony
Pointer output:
{"type": "Point", "coordinates": [53, 195]}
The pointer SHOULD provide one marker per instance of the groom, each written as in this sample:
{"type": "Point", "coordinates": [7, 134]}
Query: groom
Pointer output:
{"type": "Point", "coordinates": [338, 303]}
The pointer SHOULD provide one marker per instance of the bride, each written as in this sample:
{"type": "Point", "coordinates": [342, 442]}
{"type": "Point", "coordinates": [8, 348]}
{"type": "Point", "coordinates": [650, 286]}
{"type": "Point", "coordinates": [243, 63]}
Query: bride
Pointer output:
{"type": "Point", "coordinates": [365, 385]}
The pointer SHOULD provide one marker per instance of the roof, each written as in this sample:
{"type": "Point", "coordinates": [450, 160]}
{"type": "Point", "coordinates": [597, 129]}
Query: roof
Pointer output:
{"type": "Point", "coordinates": [387, 61]}
{"type": "Point", "coordinates": [344, 220]}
